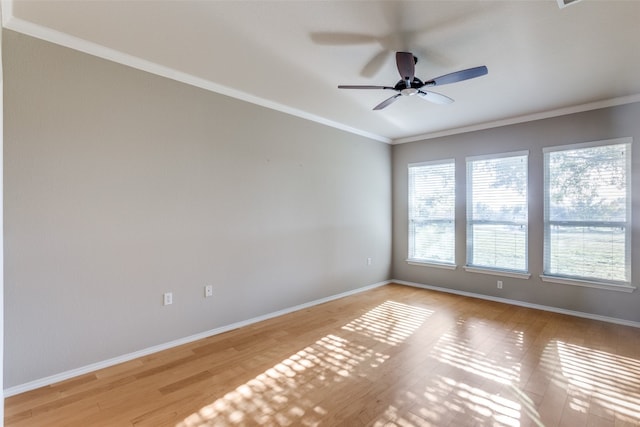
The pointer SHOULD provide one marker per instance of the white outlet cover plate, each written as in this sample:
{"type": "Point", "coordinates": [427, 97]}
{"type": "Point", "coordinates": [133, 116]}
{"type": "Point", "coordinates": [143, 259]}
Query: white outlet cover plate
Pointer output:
{"type": "Point", "coordinates": [168, 298]}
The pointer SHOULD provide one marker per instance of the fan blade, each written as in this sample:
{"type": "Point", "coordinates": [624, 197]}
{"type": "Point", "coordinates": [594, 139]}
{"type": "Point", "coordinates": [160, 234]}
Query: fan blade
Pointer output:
{"type": "Point", "coordinates": [435, 97]}
{"type": "Point", "coordinates": [458, 76]}
{"type": "Point", "coordinates": [364, 87]}
{"type": "Point", "coordinates": [406, 65]}
{"type": "Point", "coordinates": [387, 102]}
{"type": "Point", "coordinates": [375, 64]}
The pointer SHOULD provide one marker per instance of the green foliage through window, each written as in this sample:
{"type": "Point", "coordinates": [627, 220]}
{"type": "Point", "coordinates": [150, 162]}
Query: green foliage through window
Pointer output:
{"type": "Point", "coordinates": [432, 192]}
{"type": "Point", "coordinates": [497, 212]}
{"type": "Point", "coordinates": [587, 211]}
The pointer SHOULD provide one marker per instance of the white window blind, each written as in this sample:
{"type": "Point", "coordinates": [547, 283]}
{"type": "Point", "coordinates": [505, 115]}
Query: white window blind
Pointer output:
{"type": "Point", "coordinates": [497, 228]}
{"type": "Point", "coordinates": [432, 194]}
{"type": "Point", "coordinates": [587, 211]}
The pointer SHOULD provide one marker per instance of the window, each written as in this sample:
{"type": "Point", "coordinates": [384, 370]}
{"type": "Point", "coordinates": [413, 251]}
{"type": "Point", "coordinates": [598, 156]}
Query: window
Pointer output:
{"type": "Point", "coordinates": [497, 213]}
{"type": "Point", "coordinates": [432, 194]}
{"type": "Point", "coordinates": [587, 212]}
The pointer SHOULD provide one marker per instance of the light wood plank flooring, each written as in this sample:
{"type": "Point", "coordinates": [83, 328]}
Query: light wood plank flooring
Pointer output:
{"type": "Point", "coordinates": [392, 356]}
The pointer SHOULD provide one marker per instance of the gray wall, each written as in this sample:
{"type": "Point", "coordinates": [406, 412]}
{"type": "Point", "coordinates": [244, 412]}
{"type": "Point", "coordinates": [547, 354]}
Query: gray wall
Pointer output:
{"type": "Point", "coordinates": [121, 185]}
{"type": "Point", "coordinates": [608, 123]}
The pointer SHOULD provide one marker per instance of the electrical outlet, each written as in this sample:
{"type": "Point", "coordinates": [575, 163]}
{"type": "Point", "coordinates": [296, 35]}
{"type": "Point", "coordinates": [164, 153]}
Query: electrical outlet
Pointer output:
{"type": "Point", "coordinates": [499, 284]}
{"type": "Point", "coordinates": [168, 298]}
{"type": "Point", "coordinates": [208, 291]}
{"type": "Point", "coordinates": [368, 261]}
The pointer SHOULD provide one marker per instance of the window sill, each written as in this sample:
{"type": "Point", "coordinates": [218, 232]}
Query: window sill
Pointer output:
{"type": "Point", "coordinates": [432, 264]}
{"type": "Point", "coordinates": [588, 284]}
{"type": "Point", "coordinates": [506, 273]}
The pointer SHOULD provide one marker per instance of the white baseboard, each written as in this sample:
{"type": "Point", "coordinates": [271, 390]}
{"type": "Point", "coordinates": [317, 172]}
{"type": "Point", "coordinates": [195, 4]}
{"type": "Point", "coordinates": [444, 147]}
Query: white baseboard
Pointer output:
{"type": "Point", "coordinates": [32, 385]}
{"type": "Point", "coordinates": [42, 382]}
{"type": "Point", "coordinates": [522, 304]}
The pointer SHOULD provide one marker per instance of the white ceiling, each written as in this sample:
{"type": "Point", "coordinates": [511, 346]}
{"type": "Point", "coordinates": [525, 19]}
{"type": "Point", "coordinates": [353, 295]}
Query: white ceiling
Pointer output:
{"type": "Point", "coordinates": [291, 55]}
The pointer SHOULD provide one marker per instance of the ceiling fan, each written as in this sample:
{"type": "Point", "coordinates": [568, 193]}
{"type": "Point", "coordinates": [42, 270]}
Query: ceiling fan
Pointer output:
{"type": "Point", "coordinates": [410, 85]}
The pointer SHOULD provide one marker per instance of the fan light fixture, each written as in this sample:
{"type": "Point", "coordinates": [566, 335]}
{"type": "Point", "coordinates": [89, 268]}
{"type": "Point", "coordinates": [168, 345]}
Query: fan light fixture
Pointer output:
{"type": "Point", "coordinates": [409, 91]}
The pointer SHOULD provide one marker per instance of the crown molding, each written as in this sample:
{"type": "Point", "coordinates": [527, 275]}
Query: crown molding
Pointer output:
{"type": "Point", "coordinates": [630, 99]}
{"type": "Point", "coordinates": [57, 37]}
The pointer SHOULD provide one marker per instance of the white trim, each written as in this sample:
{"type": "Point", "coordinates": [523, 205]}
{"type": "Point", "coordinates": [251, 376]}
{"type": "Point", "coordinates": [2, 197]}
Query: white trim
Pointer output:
{"type": "Point", "coordinates": [588, 283]}
{"type": "Point", "coordinates": [495, 272]}
{"type": "Point", "coordinates": [520, 153]}
{"type": "Point", "coordinates": [444, 168]}
{"type": "Point", "coordinates": [550, 151]}
{"type": "Point", "coordinates": [432, 264]}
{"type": "Point", "coordinates": [42, 382]}
{"type": "Point", "coordinates": [630, 99]}
{"type": "Point", "coordinates": [11, 22]}
{"type": "Point", "coordinates": [7, 11]}
{"type": "Point", "coordinates": [431, 163]}
{"type": "Point", "coordinates": [581, 314]}
{"type": "Point", "coordinates": [471, 182]}
{"type": "Point", "coordinates": [32, 385]}
{"type": "Point", "coordinates": [590, 144]}
{"type": "Point", "coordinates": [72, 42]}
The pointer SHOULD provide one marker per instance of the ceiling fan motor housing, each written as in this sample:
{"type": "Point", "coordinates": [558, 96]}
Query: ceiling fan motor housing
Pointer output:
{"type": "Point", "coordinates": [409, 90]}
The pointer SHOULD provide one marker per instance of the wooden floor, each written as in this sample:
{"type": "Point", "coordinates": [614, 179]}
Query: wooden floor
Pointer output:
{"type": "Point", "coordinates": [393, 356]}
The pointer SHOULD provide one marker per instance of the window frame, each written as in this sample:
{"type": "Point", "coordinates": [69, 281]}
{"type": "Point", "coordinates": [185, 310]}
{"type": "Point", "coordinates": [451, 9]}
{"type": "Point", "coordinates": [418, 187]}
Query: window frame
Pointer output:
{"type": "Point", "coordinates": [591, 282]}
{"type": "Point", "coordinates": [411, 260]}
{"type": "Point", "coordinates": [469, 266]}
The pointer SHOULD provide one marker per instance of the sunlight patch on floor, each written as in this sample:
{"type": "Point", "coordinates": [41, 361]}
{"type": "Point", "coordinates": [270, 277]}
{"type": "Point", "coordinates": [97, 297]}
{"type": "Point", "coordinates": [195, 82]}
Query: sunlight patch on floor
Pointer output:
{"type": "Point", "coordinates": [278, 394]}
{"type": "Point", "coordinates": [449, 402]}
{"type": "Point", "coordinates": [282, 395]}
{"type": "Point", "coordinates": [391, 322]}
{"type": "Point", "coordinates": [455, 352]}
{"type": "Point", "coordinates": [597, 377]}
{"type": "Point", "coordinates": [489, 396]}
{"type": "Point", "coordinates": [478, 376]}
